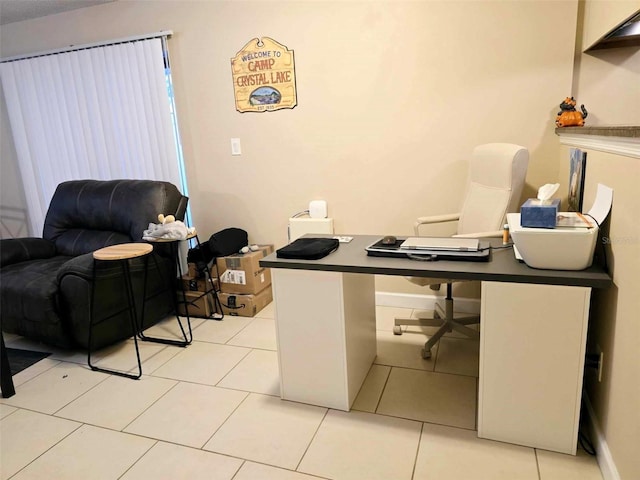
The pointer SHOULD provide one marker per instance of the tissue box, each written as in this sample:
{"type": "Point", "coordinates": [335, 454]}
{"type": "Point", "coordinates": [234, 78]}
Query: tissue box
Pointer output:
{"type": "Point", "coordinates": [537, 214]}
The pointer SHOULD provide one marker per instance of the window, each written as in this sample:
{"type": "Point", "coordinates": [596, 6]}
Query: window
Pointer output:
{"type": "Point", "coordinates": [98, 111]}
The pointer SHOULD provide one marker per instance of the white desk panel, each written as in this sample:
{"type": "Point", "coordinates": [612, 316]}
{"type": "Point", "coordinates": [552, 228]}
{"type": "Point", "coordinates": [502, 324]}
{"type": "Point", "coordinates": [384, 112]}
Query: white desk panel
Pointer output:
{"type": "Point", "coordinates": [532, 348]}
{"type": "Point", "coordinates": [326, 330]}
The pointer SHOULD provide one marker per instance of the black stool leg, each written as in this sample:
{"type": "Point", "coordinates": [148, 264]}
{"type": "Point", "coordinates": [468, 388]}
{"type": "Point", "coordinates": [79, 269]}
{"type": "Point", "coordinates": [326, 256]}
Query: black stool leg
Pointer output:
{"type": "Point", "coordinates": [216, 300]}
{"type": "Point", "coordinates": [167, 341]}
{"type": "Point", "coordinates": [176, 254]}
{"type": "Point", "coordinates": [132, 318]}
{"type": "Point", "coordinates": [6, 381]}
{"type": "Point", "coordinates": [92, 308]}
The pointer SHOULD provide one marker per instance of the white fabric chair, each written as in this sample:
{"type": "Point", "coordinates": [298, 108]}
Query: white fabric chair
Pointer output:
{"type": "Point", "coordinates": [497, 173]}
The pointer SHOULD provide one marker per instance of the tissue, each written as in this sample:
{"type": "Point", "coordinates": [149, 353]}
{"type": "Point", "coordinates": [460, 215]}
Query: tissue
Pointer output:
{"type": "Point", "coordinates": [546, 191]}
{"type": "Point", "coordinates": [541, 212]}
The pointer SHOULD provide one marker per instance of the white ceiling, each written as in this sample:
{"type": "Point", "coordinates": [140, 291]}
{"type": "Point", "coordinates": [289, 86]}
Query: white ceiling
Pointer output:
{"type": "Point", "coordinates": [18, 10]}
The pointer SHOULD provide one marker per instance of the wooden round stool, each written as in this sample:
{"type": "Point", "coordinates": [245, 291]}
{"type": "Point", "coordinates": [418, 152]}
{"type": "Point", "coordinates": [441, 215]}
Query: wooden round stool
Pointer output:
{"type": "Point", "coordinates": [121, 253]}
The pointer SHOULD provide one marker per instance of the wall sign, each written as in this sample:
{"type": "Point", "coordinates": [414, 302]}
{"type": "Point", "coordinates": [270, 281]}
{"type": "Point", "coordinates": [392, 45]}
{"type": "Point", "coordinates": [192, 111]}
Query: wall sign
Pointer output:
{"type": "Point", "coordinates": [264, 77]}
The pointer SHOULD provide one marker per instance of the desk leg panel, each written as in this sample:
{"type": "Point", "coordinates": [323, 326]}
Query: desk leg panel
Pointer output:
{"type": "Point", "coordinates": [532, 348]}
{"type": "Point", "coordinates": [325, 326]}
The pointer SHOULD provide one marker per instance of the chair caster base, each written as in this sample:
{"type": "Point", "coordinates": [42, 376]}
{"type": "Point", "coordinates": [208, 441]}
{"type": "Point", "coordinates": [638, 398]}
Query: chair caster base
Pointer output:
{"type": "Point", "coordinates": [426, 354]}
{"type": "Point", "coordinates": [397, 330]}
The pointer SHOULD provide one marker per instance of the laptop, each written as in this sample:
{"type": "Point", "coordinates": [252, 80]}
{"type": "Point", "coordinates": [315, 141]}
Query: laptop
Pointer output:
{"type": "Point", "coordinates": [379, 249]}
{"type": "Point", "coordinates": [441, 243]}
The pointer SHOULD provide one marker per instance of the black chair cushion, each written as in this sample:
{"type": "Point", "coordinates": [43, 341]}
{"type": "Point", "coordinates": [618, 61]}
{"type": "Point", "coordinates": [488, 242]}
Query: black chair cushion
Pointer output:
{"type": "Point", "coordinates": [16, 250]}
{"type": "Point", "coordinates": [30, 301]}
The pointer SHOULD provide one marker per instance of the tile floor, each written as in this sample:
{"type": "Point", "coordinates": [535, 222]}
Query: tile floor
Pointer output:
{"type": "Point", "coordinates": [212, 411]}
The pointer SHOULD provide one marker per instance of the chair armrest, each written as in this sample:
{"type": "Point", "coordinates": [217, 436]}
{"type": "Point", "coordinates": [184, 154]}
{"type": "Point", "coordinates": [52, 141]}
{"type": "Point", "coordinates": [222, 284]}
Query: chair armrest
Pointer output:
{"type": "Point", "coordinates": [81, 266]}
{"type": "Point", "coordinates": [450, 217]}
{"type": "Point", "coordinates": [16, 250]}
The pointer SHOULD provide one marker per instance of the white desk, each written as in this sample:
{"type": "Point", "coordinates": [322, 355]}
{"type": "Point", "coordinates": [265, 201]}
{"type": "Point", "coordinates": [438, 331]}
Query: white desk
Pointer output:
{"type": "Point", "coordinates": [532, 336]}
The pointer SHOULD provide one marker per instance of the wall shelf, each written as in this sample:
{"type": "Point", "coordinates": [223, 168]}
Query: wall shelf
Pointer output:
{"type": "Point", "coordinates": [625, 34]}
{"type": "Point", "coordinates": [620, 140]}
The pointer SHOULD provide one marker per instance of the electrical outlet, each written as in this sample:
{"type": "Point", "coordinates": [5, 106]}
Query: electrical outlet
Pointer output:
{"type": "Point", "coordinates": [236, 148]}
{"type": "Point", "coordinates": [595, 361]}
{"type": "Point", "coordinates": [600, 362]}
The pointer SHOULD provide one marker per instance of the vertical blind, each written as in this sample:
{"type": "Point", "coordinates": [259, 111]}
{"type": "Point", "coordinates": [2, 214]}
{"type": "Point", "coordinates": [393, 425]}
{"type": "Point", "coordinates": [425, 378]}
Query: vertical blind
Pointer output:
{"type": "Point", "coordinates": [101, 113]}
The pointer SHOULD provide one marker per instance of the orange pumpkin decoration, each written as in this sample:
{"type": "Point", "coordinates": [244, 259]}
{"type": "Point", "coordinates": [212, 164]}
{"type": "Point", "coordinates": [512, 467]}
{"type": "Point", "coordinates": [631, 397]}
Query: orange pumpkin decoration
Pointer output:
{"type": "Point", "coordinates": [568, 116]}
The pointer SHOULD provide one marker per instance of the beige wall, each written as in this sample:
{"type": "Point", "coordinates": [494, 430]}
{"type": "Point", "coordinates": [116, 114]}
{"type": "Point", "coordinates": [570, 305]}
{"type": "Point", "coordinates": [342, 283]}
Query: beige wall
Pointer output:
{"type": "Point", "coordinates": [614, 314]}
{"type": "Point", "coordinates": [392, 98]}
{"type": "Point", "coordinates": [608, 83]}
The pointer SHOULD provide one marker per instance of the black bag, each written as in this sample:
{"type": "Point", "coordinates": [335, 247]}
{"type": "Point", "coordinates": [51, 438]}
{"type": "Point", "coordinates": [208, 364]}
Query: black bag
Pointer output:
{"type": "Point", "coordinates": [220, 244]}
{"type": "Point", "coordinates": [308, 248]}
{"type": "Point", "coordinates": [228, 241]}
{"type": "Point", "coordinates": [200, 254]}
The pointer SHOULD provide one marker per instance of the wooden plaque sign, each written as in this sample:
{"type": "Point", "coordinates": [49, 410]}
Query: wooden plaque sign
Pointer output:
{"type": "Point", "coordinates": [264, 77]}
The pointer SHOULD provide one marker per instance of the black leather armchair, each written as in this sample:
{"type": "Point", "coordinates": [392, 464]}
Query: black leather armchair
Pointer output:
{"type": "Point", "coordinates": [45, 283]}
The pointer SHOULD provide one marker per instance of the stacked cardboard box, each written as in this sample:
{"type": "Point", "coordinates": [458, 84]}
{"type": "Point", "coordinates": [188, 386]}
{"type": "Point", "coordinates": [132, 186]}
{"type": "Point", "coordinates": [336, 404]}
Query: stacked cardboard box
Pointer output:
{"type": "Point", "coordinates": [198, 304]}
{"type": "Point", "coordinates": [195, 273]}
{"type": "Point", "coordinates": [245, 286]}
{"type": "Point", "coordinates": [245, 305]}
{"type": "Point", "coordinates": [197, 286]}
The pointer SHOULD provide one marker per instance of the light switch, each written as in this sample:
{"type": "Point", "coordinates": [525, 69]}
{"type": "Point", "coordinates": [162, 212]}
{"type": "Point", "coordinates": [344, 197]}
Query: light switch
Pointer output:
{"type": "Point", "coordinates": [236, 149]}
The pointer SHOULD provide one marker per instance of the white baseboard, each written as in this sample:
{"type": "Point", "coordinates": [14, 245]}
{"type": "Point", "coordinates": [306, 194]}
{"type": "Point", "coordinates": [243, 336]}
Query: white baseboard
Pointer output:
{"type": "Point", "coordinates": [603, 454]}
{"type": "Point", "coordinates": [425, 302]}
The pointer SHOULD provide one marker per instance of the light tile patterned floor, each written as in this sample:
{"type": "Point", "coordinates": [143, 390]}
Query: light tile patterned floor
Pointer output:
{"type": "Point", "coordinates": [212, 411]}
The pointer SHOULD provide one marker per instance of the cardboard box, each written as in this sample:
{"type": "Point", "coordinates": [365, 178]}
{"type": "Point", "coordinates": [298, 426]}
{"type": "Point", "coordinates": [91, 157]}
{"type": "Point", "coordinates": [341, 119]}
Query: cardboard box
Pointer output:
{"type": "Point", "coordinates": [538, 214]}
{"type": "Point", "coordinates": [245, 305]}
{"type": "Point", "coordinates": [197, 303]}
{"type": "Point", "coordinates": [192, 270]}
{"type": "Point", "coordinates": [194, 284]}
{"type": "Point", "coordinates": [242, 273]}
{"type": "Point", "coordinates": [213, 270]}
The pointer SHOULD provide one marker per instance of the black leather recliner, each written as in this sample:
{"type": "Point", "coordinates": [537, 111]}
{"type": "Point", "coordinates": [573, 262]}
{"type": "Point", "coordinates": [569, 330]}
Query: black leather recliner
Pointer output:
{"type": "Point", "coordinates": [45, 283]}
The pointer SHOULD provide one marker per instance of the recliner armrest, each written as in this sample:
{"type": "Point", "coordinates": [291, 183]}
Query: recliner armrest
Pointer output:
{"type": "Point", "coordinates": [16, 250]}
{"type": "Point", "coordinates": [81, 266]}
{"type": "Point", "coordinates": [449, 217]}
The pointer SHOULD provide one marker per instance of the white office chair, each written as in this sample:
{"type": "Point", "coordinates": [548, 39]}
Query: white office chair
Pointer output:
{"type": "Point", "coordinates": [496, 177]}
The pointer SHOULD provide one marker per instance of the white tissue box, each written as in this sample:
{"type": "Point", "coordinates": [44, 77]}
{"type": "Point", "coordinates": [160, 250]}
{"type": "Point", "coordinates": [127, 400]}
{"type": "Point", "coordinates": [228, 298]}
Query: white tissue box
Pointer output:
{"type": "Point", "coordinates": [553, 249]}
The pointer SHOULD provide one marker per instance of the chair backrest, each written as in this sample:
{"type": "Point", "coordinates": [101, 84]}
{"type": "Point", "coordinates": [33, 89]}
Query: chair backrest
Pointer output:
{"type": "Point", "coordinates": [496, 177]}
{"type": "Point", "coordinates": [85, 215]}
